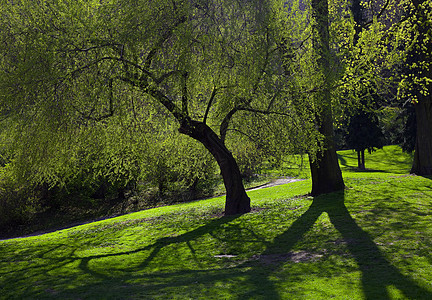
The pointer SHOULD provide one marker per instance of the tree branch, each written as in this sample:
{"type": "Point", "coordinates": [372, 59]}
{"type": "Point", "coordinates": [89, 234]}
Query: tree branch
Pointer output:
{"type": "Point", "coordinates": [165, 36]}
{"type": "Point", "coordinates": [225, 122]}
{"type": "Point", "coordinates": [365, 25]}
{"type": "Point", "coordinates": [184, 94]}
{"type": "Point", "coordinates": [168, 103]}
{"type": "Point", "coordinates": [119, 59]}
{"type": "Point", "coordinates": [213, 94]}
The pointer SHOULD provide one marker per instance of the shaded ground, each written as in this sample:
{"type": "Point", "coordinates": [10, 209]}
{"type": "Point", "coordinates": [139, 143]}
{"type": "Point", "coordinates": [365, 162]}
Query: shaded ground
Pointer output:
{"type": "Point", "coordinates": [41, 228]}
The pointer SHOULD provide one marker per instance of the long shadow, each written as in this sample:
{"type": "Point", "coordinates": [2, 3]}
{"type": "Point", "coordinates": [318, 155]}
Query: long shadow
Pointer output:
{"type": "Point", "coordinates": [377, 272]}
{"type": "Point", "coordinates": [156, 247]}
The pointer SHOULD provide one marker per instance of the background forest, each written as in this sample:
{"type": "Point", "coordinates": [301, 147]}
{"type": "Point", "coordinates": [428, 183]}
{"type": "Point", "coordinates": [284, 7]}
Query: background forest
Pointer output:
{"type": "Point", "coordinates": [114, 106]}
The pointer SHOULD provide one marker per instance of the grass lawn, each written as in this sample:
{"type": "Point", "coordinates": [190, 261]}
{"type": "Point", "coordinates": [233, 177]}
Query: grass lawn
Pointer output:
{"type": "Point", "coordinates": [371, 241]}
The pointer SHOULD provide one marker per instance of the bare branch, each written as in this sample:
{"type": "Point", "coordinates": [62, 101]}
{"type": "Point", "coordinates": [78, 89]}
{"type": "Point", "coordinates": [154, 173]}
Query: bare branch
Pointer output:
{"type": "Point", "coordinates": [213, 94]}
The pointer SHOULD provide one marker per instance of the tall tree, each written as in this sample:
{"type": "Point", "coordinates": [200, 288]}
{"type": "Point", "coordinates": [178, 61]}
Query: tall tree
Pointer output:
{"type": "Point", "coordinates": [419, 78]}
{"type": "Point", "coordinates": [325, 170]}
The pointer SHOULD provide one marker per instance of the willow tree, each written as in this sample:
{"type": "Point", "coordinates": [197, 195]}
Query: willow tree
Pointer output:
{"type": "Point", "coordinates": [69, 64]}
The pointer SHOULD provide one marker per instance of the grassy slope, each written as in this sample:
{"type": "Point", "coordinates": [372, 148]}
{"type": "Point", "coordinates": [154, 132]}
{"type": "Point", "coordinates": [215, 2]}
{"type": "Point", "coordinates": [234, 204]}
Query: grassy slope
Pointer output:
{"type": "Point", "coordinates": [371, 241]}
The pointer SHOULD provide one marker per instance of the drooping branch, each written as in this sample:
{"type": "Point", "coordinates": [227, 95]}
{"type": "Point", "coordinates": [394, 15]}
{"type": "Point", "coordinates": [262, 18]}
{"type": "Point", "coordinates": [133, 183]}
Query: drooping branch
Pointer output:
{"type": "Point", "coordinates": [164, 37]}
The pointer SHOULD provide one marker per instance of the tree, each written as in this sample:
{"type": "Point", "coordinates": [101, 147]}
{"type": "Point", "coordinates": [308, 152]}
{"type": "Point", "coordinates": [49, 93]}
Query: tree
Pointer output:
{"type": "Point", "coordinates": [418, 81]}
{"type": "Point", "coordinates": [394, 49]}
{"type": "Point", "coordinates": [69, 65]}
{"type": "Point", "coordinates": [325, 170]}
{"type": "Point", "coordinates": [364, 133]}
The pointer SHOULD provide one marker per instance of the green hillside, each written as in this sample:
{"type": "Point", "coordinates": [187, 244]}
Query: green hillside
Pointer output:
{"type": "Point", "coordinates": [371, 241]}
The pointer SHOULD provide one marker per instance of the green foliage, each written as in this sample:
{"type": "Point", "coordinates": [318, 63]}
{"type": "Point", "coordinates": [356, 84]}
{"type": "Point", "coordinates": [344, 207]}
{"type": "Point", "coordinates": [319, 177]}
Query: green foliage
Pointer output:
{"type": "Point", "coordinates": [19, 201]}
{"type": "Point", "coordinates": [70, 67]}
{"type": "Point", "coordinates": [177, 163]}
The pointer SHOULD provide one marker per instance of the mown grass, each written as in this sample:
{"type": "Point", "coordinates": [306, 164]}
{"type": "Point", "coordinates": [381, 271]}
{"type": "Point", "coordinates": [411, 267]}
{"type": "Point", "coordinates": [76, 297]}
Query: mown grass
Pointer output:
{"type": "Point", "coordinates": [371, 241]}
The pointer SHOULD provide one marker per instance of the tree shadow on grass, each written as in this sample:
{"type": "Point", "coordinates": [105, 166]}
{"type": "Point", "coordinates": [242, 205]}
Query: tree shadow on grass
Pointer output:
{"type": "Point", "coordinates": [193, 235]}
{"type": "Point", "coordinates": [250, 278]}
{"type": "Point", "coordinates": [377, 272]}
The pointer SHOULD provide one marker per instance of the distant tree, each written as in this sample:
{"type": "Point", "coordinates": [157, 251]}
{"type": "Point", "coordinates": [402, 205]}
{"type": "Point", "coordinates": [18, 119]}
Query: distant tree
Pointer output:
{"type": "Point", "coordinates": [364, 133]}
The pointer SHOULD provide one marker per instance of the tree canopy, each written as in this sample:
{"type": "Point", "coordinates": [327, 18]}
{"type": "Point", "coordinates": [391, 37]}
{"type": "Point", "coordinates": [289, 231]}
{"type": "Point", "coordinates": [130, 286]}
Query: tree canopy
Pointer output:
{"type": "Point", "coordinates": [69, 67]}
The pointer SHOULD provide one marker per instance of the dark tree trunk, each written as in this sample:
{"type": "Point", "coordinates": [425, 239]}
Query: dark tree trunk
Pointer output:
{"type": "Point", "coordinates": [359, 162]}
{"type": "Point", "coordinates": [237, 201]}
{"type": "Point", "coordinates": [420, 59]}
{"type": "Point", "coordinates": [361, 159]}
{"type": "Point", "coordinates": [325, 170]}
{"type": "Point", "coordinates": [422, 164]}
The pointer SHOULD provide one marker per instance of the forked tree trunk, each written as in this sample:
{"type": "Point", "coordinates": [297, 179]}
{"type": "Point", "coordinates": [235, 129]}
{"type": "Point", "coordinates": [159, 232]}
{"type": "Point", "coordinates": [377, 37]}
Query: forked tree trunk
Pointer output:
{"type": "Point", "coordinates": [325, 170]}
{"type": "Point", "coordinates": [422, 164]}
{"type": "Point", "coordinates": [237, 201]}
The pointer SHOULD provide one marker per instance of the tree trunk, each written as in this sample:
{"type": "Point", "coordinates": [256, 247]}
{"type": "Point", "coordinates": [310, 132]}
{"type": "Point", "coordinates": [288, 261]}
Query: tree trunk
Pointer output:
{"type": "Point", "coordinates": [359, 162]}
{"type": "Point", "coordinates": [325, 170]}
{"type": "Point", "coordinates": [422, 164]}
{"type": "Point", "coordinates": [420, 59]}
{"type": "Point", "coordinates": [361, 159]}
{"type": "Point", "coordinates": [237, 201]}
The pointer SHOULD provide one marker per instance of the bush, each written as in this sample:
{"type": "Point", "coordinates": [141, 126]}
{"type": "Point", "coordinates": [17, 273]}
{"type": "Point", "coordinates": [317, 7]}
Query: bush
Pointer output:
{"type": "Point", "coordinates": [19, 201]}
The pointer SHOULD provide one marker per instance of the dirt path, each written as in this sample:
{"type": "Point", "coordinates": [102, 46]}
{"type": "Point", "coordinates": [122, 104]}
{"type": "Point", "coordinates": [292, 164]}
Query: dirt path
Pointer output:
{"type": "Point", "coordinates": [276, 182]}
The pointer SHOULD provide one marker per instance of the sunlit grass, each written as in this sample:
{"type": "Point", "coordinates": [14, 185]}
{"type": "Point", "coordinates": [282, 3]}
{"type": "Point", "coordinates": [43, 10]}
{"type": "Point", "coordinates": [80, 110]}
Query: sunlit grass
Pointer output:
{"type": "Point", "coordinates": [390, 159]}
{"type": "Point", "coordinates": [371, 241]}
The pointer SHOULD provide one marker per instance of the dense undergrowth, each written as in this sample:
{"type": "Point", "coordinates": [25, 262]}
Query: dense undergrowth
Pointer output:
{"type": "Point", "coordinates": [371, 241]}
